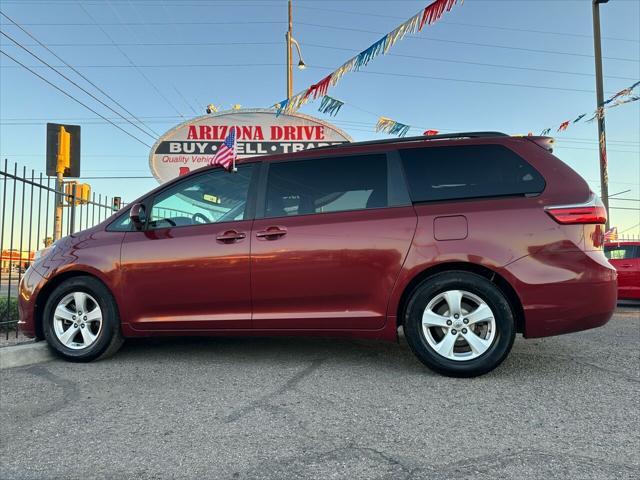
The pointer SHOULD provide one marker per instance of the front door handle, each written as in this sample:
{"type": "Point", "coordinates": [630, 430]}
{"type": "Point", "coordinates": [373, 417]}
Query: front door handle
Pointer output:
{"type": "Point", "coordinates": [626, 265]}
{"type": "Point", "coordinates": [272, 233]}
{"type": "Point", "coordinates": [230, 236]}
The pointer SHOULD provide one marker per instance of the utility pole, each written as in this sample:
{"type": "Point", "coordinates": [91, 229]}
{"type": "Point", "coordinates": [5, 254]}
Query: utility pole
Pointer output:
{"type": "Point", "coordinates": [290, 55]}
{"type": "Point", "coordinates": [290, 43]}
{"type": "Point", "coordinates": [602, 137]}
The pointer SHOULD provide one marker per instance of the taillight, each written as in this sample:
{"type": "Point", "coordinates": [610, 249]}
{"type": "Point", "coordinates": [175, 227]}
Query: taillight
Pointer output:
{"type": "Point", "coordinates": [591, 212]}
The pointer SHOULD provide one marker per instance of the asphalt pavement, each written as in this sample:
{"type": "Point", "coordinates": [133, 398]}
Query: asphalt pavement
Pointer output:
{"type": "Point", "coordinates": [280, 408]}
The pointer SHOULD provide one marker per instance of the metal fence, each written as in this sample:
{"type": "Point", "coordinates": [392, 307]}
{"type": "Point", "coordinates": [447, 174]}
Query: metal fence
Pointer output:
{"type": "Point", "coordinates": [27, 215]}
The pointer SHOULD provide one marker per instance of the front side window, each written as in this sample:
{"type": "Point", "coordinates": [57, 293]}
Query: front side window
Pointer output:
{"type": "Point", "coordinates": [326, 185]}
{"type": "Point", "coordinates": [212, 197]}
{"type": "Point", "coordinates": [470, 171]}
{"type": "Point", "coordinates": [620, 252]}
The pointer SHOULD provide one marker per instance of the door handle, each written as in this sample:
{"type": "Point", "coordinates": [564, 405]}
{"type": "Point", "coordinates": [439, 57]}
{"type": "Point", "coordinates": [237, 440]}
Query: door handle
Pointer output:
{"type": "Point", "coordinates": [626, 265]}
{"type": "Point", "coordinates": [272, 232]}
{"type": "Point", "coordinates": [230, 236]}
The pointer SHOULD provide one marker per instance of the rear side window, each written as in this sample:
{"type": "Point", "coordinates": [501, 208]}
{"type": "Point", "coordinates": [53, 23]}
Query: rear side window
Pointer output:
{"type": "Point", "coordinates": [621, 252]}
{"type": "Point", "coordinates": [326, 185]}
{"type": "Point", "coordinates": [473, 171]}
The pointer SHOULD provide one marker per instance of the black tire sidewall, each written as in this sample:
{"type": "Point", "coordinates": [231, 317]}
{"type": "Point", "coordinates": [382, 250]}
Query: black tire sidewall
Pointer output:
{"type": "Point", "coordinates": [110, 319]}
{"type": "Point", "coordinates": [489, 293]}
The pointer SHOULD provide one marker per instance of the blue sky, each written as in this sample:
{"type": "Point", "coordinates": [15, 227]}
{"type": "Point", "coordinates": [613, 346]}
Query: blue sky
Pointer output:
{"type": "Point", "coordinates": [513, 66]}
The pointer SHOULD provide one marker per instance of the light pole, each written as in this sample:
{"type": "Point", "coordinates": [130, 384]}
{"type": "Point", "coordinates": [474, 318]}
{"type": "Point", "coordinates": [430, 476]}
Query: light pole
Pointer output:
{"type": "Point", "coordinates": [602, 137]}
{"type": "Point", "coordinates": [290, 42]}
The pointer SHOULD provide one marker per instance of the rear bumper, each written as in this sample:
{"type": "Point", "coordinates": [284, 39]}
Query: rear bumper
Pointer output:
{"type": "Point", "coordinates": [28, 290]}
{"type": "Point", "coordinates": [564, 292]}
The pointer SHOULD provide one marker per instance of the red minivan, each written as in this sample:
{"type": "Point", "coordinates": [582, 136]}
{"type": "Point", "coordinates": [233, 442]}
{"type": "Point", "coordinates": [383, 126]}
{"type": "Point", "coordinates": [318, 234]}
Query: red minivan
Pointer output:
{"type": "Point", "coordinates": [463, 240]}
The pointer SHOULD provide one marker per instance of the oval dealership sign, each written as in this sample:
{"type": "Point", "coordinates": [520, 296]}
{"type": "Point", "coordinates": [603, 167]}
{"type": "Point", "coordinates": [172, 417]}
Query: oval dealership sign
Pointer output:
{"type": "Point", "coordinates": [194, 143]}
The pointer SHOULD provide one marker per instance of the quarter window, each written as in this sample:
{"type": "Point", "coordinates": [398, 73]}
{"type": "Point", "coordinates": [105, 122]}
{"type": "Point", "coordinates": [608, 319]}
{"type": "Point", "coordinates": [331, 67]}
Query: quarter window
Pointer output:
{"type": "Point", "coordinates": [620, 252]}
{"type": "Point", "coordinates": [445, 173]}
{"type": "Point", "coordinates": [212, 197]}
{"type": "Point", "coordinates": [326, 185]}
{"type": "Point", "coordinates": [122, 223]}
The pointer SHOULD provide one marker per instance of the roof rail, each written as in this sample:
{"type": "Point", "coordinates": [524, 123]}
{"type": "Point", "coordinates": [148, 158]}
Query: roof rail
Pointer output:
{"type": "Point", "coordinates": [421, 138]}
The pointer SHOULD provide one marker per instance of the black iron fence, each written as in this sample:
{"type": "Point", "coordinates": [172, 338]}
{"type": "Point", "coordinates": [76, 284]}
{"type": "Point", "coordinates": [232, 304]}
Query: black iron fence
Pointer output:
{"type": "Point", "coordinates": [27, 224]}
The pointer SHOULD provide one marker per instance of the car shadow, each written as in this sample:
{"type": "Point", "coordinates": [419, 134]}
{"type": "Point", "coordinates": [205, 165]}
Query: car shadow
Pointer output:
{"type": "Point", "coordinates": [293, 352]}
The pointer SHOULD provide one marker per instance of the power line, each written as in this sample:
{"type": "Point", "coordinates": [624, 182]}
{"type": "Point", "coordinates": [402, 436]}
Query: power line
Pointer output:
{"type": "Point", "coordinates": [78, 86]}
{"type": "Point", "coordinates": [475, 44]}
{"type": "Point", "coordinates": [367, 72]}
{"type": "Point", "coordinates": [463, 80]}
{"type": "Point", "coordinates": [184, 99]}
{"type": "Point", "coordinates": [330, 47]}
{"type": "Point", "coordinates": [303, 7]}
{"type": "Point", "coordinates": [129, 60]}
{"type": "Point", "coordinates": [78, 73]}
{"type": "Point", "coordinates": [630, 228]}
{"type": "Point", "coordinates": [496, 27]}
{"type": "Point", "coordinates": [33, 121]}
{"type": "Point", "coordinates": [135, 36]}
{"type": "Point", "coordinates": [494, 65]}
{"type": "Point", "coordinates": [112, 24]}
{"type": "Point", "coordinates": [74, 99]}
{"type": "Point", "coordinates": [177, 65]}
{"type": "Point", "coordinates": [335, 27]}
{"type": "Point", "coordinates": [166, 13]}
{"type": "Point", "coordinates": [156, 44]}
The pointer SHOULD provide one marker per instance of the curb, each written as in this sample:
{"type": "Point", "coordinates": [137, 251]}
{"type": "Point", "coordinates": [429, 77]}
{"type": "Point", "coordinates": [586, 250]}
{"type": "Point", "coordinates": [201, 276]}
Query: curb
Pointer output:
{"type": "Point", "coordinates": [25, 354]}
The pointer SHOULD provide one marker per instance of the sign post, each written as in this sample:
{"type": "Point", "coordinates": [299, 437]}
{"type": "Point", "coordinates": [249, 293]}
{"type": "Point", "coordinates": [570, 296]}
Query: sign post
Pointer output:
{"type": "Point", "coordinates": [63, 160]}
{"type": "Point", "coordinates": [62, 163]}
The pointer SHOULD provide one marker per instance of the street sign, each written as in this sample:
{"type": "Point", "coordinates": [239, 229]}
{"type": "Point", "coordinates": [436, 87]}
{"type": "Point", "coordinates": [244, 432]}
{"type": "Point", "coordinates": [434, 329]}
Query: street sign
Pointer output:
{"type": "Point", "coordinates": [57, 136]}
{"type": "Point", "coordinates": [194, 143]}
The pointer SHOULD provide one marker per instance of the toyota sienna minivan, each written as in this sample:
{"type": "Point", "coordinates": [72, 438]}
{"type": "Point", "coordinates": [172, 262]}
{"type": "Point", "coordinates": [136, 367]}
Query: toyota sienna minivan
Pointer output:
{"type": "Point", "coordinates": [463, 240]}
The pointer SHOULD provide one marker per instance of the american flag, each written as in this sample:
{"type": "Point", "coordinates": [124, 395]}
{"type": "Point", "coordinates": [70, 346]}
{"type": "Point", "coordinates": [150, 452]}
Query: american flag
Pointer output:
{"type": "Point", "coordinates": [226, 154]}
{"type": "Point", "coordinates": [611, 235]}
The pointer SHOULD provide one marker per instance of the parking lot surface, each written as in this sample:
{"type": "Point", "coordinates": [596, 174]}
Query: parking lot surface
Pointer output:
{"type": "Point", "coordinates": [277, 408]}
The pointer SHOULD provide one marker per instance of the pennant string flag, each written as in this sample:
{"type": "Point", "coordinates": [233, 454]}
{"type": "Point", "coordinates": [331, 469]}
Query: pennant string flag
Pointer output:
{"type": "Point", "coordinates": [330, 106]}
{"type": "Point", "coordinates": [580, 117]}
{"type": "Point", "coordinates": [615, 100]}
{"type": "Point", "coordinates": [427, 16]}
{"type": "Point", "coordinates": [280, 107]}
{"type": "Point", "coordinates": [391, 127]}
{"type": "Point", "coordinates": [625, 92]}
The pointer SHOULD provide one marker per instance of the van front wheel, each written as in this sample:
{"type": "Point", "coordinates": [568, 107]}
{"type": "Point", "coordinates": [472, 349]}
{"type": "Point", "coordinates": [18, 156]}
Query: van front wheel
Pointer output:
{"type": "Point", "coordinates": [81, 320]}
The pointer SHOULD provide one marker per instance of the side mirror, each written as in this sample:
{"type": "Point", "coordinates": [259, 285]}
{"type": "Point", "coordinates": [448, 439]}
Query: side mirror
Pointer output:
{"type": "Point", "coordinates": [137, 215]}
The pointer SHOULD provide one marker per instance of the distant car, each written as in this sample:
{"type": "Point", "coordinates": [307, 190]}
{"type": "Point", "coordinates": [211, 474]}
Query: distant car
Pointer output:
{"type": "Point", "coordinates": [462, 239]}
{"type": "Point", "coordinates": [625, 257]}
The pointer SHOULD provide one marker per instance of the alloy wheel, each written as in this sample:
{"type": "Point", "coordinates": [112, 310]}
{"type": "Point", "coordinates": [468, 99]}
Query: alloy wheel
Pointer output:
{"type": "Point", "coordinates": [77, 320]}
{"type": "Point", "coordinates": [458, 325]}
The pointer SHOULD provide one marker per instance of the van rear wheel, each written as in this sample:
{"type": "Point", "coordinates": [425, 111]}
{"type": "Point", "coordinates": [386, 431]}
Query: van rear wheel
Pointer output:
{"type": "Point", "coordinates": [459, 324]}
{"type": "Point", "coordinates": [80, 320]}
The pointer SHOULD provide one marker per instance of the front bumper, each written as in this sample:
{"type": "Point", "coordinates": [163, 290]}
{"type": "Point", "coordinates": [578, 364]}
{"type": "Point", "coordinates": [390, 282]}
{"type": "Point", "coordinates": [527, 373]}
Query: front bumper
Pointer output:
{"type": "Point", "coordinates": [28, 290]}
{"type": "Point", "coordinates": [564, 292]}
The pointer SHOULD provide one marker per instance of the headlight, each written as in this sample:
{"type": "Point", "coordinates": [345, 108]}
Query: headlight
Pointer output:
{"type": "Point", "coordinates": [40, 254]}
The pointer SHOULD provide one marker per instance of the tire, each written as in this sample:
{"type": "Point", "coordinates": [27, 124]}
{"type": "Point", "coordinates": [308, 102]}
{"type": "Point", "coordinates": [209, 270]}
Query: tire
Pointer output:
{"type": "Point", "coordinates": [82, 338]}
{"type": "Point", "coordinates": [436, 336]}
